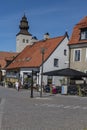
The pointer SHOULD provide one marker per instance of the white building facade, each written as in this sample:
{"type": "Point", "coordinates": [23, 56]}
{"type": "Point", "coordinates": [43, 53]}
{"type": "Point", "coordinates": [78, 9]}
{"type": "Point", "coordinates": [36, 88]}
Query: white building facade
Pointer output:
{"type": "Point", "coordinates": [59, 59]}
{"type": "Point", "coordinates": [61, 56]}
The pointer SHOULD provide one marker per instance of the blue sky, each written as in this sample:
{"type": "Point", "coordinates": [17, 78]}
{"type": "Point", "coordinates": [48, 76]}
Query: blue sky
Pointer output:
{"type": "Point", "coordinates": [52, 16]}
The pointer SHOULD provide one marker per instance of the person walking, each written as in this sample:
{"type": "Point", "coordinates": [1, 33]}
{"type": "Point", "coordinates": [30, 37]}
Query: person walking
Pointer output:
{"type": "Point", "coordinates": [17, 85]}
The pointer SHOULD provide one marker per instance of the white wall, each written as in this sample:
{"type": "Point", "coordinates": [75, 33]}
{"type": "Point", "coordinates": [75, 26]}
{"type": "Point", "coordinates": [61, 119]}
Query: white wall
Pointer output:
{"type": "Point", "coordinates": [59, 54]}
{"type": "Point", "coordinates": [19, 42]}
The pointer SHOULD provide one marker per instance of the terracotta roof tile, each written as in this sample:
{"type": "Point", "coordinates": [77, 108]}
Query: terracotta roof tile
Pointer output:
{"type": "Point", "coordinates": [4, 56]}
{"type": "Point", "coordinates": [31, 55]}
{"type": "Point", "coordinates": [75, 37]}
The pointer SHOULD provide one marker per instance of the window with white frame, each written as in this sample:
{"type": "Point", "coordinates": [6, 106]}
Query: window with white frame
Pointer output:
{"type": "Point", "coordinates": [77, 55]}
{"type": "Point", "coordinates": [56, 62]}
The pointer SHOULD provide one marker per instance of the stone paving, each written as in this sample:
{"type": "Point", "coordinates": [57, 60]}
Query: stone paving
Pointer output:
{"type": "Point", "coordinates": [50, 112]}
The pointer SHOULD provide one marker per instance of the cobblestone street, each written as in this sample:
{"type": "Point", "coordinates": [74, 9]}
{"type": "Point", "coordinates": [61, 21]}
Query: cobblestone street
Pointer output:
{"type": "Point", "coordinates": [51, 112]}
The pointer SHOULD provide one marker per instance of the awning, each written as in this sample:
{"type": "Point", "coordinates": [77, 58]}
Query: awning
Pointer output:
{"type": "Point", "coordinates": [66, 72]}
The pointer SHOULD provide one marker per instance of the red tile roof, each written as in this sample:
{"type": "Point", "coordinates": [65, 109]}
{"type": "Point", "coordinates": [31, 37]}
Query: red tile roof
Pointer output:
{"type": "Point", "coordinates": [4, 56]}
{"type": "Point", "coordinates": [31, 55]}
{"type": "Point", "coordinates": [75, 37]}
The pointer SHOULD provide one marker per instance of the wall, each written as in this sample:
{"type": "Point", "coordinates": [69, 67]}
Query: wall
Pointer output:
{"type": "Point", "coordinates": [79, 65]}
{"type": "Point", "coordinates": [63, 61]}
{"type": "Point", "coordinates": [19, 42]}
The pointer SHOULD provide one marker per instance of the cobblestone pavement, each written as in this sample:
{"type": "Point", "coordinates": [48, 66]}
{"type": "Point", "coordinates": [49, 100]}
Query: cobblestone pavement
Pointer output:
{"type": "Point", "coordinates": [50, 112]}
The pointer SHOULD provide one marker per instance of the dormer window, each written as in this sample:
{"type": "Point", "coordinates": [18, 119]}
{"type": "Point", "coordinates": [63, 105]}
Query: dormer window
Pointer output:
{"type": "Point", "coordinates": [84, 34]}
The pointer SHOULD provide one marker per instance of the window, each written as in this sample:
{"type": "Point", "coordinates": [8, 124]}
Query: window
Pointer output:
{"type": "Point", "coordinates": [27, 41]}
{"type": "Point", "coordinates": [84, 34]}
{"type": "Point", "coordinates": [56, 62]}
{"type": "Point", "coordinates": [49, 80]}
{"type": "Point", "coordinates": [65, 52]}
{"type": "Point", "coordinates": [77, 55]}
{"type": "Point", "coordinates": [23, 40]}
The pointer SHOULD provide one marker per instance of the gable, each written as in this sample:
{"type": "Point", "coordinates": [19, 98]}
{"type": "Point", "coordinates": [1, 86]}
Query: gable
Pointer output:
{"type": "Point", "coordinates": [60, 54]}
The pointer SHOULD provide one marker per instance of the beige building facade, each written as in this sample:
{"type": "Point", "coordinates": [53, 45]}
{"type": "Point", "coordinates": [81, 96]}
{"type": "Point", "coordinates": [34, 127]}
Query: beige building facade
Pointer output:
{"type": "Point", "coordinates": [78, 46]}
{"type": "Point", "coordinates": [78, 58]}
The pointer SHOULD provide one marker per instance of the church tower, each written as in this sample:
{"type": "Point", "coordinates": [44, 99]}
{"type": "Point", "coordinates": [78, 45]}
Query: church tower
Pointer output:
{"type": "Point", "coordinates": [23, 38]}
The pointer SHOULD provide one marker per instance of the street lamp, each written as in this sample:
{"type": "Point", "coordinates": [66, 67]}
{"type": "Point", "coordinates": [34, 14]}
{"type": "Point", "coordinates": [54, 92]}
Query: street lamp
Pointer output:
{"type": "Point", "coordinates": [34, 73]}
{"type": "Point", "coordinates": [42, 52]}
{"type": "Point", "coordinates": [32, 85]}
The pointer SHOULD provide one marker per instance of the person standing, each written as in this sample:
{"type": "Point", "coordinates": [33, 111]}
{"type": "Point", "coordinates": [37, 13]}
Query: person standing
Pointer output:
{"type": "Point", "coordinates": [17, 85]}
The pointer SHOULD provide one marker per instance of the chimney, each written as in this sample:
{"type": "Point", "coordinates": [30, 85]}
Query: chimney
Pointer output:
{"type": "Point", "coordinates": [46, 36]}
